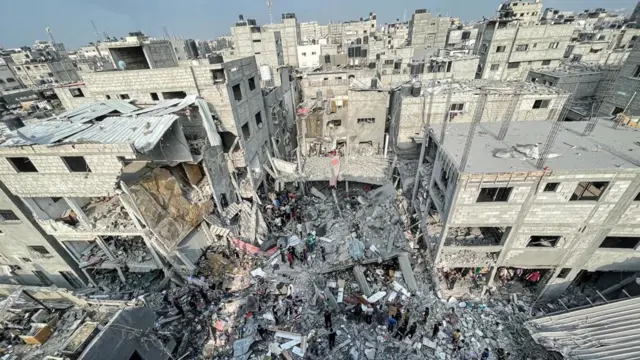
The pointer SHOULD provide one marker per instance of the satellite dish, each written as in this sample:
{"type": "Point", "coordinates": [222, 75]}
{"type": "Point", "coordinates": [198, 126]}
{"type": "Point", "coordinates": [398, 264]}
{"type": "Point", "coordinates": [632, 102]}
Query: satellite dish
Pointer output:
{"type": "Point", "coordinates": [122, 65]}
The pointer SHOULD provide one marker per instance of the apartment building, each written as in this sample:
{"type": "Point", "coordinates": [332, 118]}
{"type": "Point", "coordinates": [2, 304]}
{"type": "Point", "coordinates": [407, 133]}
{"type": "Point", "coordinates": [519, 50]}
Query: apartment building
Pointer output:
{"type": "Point", "coordinates": [623, 95]}
{"type": "Point", "coordinates": [505, 207]}
{"type": "Point", "coordinates": [396, 69]}
{"type": "Point", "coordinates": [463, 38]}
{"type": "Point", "coordinates": [522, 11]}
{"type": "Point", "coordinates": [428, 31]}
{"type": "Point", "coordinates": [36, 67]}
{"type": "Point", "coordinates": [289, 30]}
{"type": "Point", "coordinates": [456, 101]}
{"type": "Point", "coordinates": [8, 80]}
{"type": "Point", "coordinates": [396, 34]}
{"type": "Point", "coordinates": [309, 56]}
{"type": "Point", "coordinates": [508, 50]}
{"type": "Point", "coordinates": [266, 45]}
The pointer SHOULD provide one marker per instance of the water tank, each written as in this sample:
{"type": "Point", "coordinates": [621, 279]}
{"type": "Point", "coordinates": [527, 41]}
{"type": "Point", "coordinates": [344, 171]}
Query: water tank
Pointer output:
{"type": "Point", "coordinates": [374, 83]}
{"type": "Point", "coordinates": [416, 88]}
{"type": "Point", "coordinates": [265, 72]}
{"type": "Point", "coordinates": [216, 59]}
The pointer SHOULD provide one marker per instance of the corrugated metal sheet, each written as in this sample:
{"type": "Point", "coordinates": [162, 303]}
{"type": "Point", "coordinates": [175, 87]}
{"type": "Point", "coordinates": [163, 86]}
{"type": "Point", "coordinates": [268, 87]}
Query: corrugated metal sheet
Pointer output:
{"type": "Point", "coordinates": [143, 132]}
{"type": "Point", "coordinates": [167, 107]}
{"type": "Point", "coordinates": [44, 133]}
{"type": "Point", "coordinates": [603, 332]}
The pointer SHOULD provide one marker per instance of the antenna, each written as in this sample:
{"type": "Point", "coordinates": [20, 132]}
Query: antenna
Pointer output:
{"type": "Point", "coordinates": [53, 41]}
{"type": "Point", "coordinates": [269, 3]}
{"type": "Point", "coordinates": [166, 32]}
{"type": "Point", "coordinates": [404, 16]}
{"type": "Point", "coordinates": [96, 30]}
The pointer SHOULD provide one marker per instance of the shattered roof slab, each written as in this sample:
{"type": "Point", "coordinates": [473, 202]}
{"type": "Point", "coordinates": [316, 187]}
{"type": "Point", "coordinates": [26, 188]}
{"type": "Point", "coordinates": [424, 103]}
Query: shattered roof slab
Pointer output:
{"type": "Point", "coordinates": [604, 332]}
{"type": "Point", "coordinates": [605, 148]}
{"type": "Point", "coordinates": [142, 132]}
{"type": "Point", "coordinates": [44, 133]}
{"type": "Point", "coordinates": [92, 111]}
{"type": "Point", "coordinates": [167, 107]}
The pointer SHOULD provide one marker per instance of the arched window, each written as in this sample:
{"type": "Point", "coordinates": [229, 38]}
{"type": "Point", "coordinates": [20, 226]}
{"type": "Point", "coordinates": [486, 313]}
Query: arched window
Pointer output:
{"type": "Point", "coordinates": [11, 80]}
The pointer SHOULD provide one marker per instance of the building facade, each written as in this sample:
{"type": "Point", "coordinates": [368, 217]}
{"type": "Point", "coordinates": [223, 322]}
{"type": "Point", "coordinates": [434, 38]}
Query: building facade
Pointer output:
{"type": "Point", "coordinates": [427, 31]}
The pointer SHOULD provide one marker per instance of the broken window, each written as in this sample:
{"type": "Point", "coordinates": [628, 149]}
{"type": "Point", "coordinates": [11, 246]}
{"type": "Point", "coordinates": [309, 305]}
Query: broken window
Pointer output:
{"type": "Point", "coordinates": [218, 76]}
{"type": "Point", "coordinates": [8, 215]}
{"type": "Point", "coordinates": [494, 194]}
{"type": "Point", "coordinates": [124, 96]}
{"type": "Point", "coordinates": [366, 120]}
{"type": "Point", "coordinates": [457, 107]}
{"type": "Point", "coordinates": [541, 104]}
{"type": "Point", "coordinates": [551, 187]}
{"type": "Point", "coordinates": [252, 83]}
{"type": "Point", "coordinates": [71, 279]}
{"type": "Point", "coordinates": [616, 110]}
{"type": "Point", "coordinates": [564, 273]}
{"type": "Point", "coordinates": [77, 92]}
{"type": "Point", "coordinates": [543, 241]}
{"type": "Point", "coordinates": [237, 93]}
{"type": "Point", "coordinates": [636, 71]}
{"type": "Point", "coordinates": [246, 133]}
{"type": "Point", "coordinates": [334, 123]}
{"type": "Point", "coordinates": [43, 278]}
{"type": "Point", "coordinates": [39, 252]}
{"type": "Point", "coordinates": [589, 191]}
{"type": "Point", "coordinates": [259, 120]}
{"type": "Point", "coordinates": [546, 62]}
{"type": "Point", "coordinates": [620, 242]}
{"type": "Point", "coordinates": [22, 164]}
{"type": "Point", "coordinates": [174, 95]}
{"type": "Point", "coordinates": [524, 47]}
{"type": "Point", "coordinates": [501, 49]}
{"type": "Point", "coordinates": [76, 163]}
{"type": "Point", "coordinates": [154, 96]}
{"type": "Point", "coordinates": [513, 65]}
{"type": "Point", "coordinates": [495, 67]}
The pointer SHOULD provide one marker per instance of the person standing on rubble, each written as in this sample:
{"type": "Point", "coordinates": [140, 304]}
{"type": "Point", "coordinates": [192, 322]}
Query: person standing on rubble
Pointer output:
{"type": "Point", "coordinates": [436, 330]}
{"type": "Point", "coordinates": [456, 337]}
{"type": "Point", "coordinates": [368, 314]}
{"type": "Point", "coordinates": [323, 253]}
{"type": "Point", "coordinates": [402, 331]}
{"type": "Point", "coordinates": [358, 312]}
{"type": "Point", "coordinates": [485, 354]}
{"type": "Point", "coordinates": [327, 319]}
{"type": "Point", "coordinates": [290, 258]}
{"type": "Point", "coordinates": [412, 330]}
{"type": "Point", "coordinates": [391, 324]}
{"type": "Point", "coordinates": [332, 338]}
{"type": "Point", "coordinates": [305, 256]}
{"type": "Point", "coordinates": [426, 314]}
{"type": "Point", "coordinates": [311, 241]}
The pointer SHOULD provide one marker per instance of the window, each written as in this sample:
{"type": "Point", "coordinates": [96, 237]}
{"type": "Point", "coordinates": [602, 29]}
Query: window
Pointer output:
{"type": "Point", "coordinates": [8, 215]}
{"type": "Point", "coordinates": [535, 45]}
{"type": "Point", "coordinates": [546, 62]}
{"type": "Point", "coordinates": [174, 95]}
{"type": "Point", "coordinates": [543, 241]}
{"type": "Point", "coordinates": [218, 76]}
{"type": "Point", "coordinates": [39, 252]}
{"type": "Point", "coordinates": [589, 191]}
{"type": "Point", "coordinates": [259, 119]}
{"type": "Point", "coordinates": [513, 65]}
{"type": "Point", "coordinates": [636, 72]}
{"type": "Point", "coordinates": [334, 123]}
{"type": "Point", "coordinates": [43, 278]}
{"type": "Point", "coordinates": [495, 67]}
{"type": "Point", "coordinates": [108, 97]}
{"type": "Point", "coordinates": [620, 242]}
{"type": "Point", "coordinates": [76, 164]}
{"type": "Point", "coordinates": [327, 59]}
{"type": "Point", "coordinates": [554, 45]}
{"type": "Point", "coordinates": [304, 54]}
{"type": "Point", "coordinates": [124, 96]}
{"type": "Point", "coordinates": [564, 273]}
{"type": "Point", "coordinates": [257, 41]}
{"type": "Point", "coordinates": [534, 80]}
{"type": "Point", "coordinates": [366, 120]}
{"type": "Point", "coordinates": [551, 187]}
{"type": "Point", "coordinates": [22, 164]}
{"type": "Point", "coordinates": [388, 62]}
{"type": "Point", "coordinates": [77, 92]}
{"type": "Point", "coordinates": [494, 194]}
{"type": "Point", "coordinates": [637, 198]}
{"type": "Point", "coordinates": [524, 47]}
{"type": "Point", "coordinates": [456, 107]}
{"type": "Point", "coordinates": [27, 67]}
{"type": "Point", "coordinates": [313, 53]}
{"type": "Point", "coordinates": [71, 279]}
{"type": "Point", "coordinates": [18, 68]}
{"type": "Point", "coordinates": [483, 49]}
{"type": "Point", "coordinates": [541, 104]}
{"type": "Point", "coordinates": [154, 96]}
{"type": "Point", "coordinates": [501, 49]}
{"type": "Point", "coordinates": [246, 133]}
{"type": "Point", "coordinates": [252, 83]}
{"type": "Point", "coordinates": [616, 110]}
{"type": "Point", "coordinates": [237, 93]}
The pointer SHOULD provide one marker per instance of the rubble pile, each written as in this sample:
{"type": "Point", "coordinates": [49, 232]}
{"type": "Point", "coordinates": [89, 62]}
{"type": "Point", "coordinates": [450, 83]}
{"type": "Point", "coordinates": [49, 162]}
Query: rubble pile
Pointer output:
{"type": "Point", "coordinates": [108, 214]}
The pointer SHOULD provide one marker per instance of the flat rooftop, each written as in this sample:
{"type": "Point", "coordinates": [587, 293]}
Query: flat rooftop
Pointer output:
{"type": "Point", "coordinates": [605, 148]}
{"type": "Point", "coordinates": [571, 70]}
{"type": "Point", "coordinates": [492, 87]}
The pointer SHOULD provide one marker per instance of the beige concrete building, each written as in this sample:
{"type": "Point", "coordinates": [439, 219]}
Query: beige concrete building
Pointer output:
{"type": "Point", "coordinates": [289, 30]}
{"type": "Point", "coordinates": [428, 31]}
{"type": "Point", "coordinates": [266, 45]}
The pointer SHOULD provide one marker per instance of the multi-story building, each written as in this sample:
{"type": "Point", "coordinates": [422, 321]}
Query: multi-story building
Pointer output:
{"type": "Point", "coordinates": [396, 34]}
{"type": "Point", "coordinates": [456, 101]}
{"type": "Point", "coordinates": [521, 10]}
{"type": "Point", "coordinates": [309, 56]}
{"type": "Point", "coordinates": [508, 50]}
{"type": "Point", "coordinates": [289, 30]}
{"type": "Point", "coordinates": [8, 80]}
{"type": "Point", "coordinates": [462, 37]}
{"type": "Point", "coordinates": [36, 67]}
{"type": "Point", "coordinates": [310, 32]}
{"type": "Point", "coordinates": [399, 66]}
{"type": "Point", "coordinates": [623, 96]}
{"type": "Point", "coordinates": [506, 207]}
{"type": "Point", "coordinates": [279, 104]}
{"type": "Point", "coordinates": [427, 31]}
{"type": "Point", "coordinates": [266, 45]}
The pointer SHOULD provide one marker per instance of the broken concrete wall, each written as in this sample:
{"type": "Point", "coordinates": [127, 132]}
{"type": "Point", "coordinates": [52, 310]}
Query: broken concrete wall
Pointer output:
{"type": "Point", "coordinates": [162, 202]}
{"type": "Point", "coordinates": [217, 168]}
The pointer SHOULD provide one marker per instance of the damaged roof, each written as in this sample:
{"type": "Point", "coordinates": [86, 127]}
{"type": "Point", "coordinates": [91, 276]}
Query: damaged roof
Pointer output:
{"type": "Point", "coordinates": [143, 132]}
{"type": "Point", "coordinates": [604, 332]}
{"type": "Point", "coordinates": [95, 110]}
{"type": "Point", "coordinates": [166, 107]}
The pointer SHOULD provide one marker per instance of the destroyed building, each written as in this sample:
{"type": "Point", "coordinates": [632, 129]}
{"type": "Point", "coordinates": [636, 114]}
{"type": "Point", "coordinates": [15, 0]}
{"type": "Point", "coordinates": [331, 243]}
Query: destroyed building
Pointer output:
{"type": "Point", "coordinates": [454, 101]}
{"type": "Point", "coordinates": [123, 189]}
{"type": "Point", "coordinates": [508, 198]}
{"type": "Point", "coordinates": [400, 66]}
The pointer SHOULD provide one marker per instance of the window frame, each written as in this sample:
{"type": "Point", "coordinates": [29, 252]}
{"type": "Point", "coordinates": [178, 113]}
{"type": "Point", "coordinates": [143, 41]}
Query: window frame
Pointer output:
{"type": "Point", "coordinates": [73, 167]}
{"type": "Point", "coordinates": [494, 197]}
{"type": "Point", "coordinates": [541, 104]}
{"type": "Point", "coordinates": [551, 187]}
{"type": "Point", "coordinates": [585, 188]}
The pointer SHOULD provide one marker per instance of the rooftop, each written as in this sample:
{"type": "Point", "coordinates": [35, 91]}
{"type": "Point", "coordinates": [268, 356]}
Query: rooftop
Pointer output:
{"type": "Point", "coordinates": [491, 86]}
{"type": "Point", "coordinates": [605, 148]}
{"type": "Point", "coordinates": [573, 69]}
